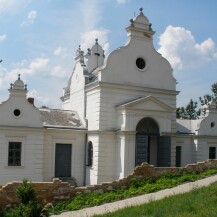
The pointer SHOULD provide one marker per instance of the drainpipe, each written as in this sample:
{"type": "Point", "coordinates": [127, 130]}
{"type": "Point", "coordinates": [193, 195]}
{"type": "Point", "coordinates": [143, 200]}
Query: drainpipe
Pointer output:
{"type": "Point", "coordinates": [85, 159]}
{"type": "Point", "coordinates": [85, 147]}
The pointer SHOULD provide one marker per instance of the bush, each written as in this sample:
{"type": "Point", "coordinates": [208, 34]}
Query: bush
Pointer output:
{"type": "Point", "coordinates": [25, 192]}
{"type": "Point", "coordinates": [28, 206]}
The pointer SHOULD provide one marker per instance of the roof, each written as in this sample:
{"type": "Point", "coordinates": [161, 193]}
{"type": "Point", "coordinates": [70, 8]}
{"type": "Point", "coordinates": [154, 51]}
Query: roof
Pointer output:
{"type": "Point", "coordinates": [187, 126]}
{"type": "Point", "coordinates": [60, 118]}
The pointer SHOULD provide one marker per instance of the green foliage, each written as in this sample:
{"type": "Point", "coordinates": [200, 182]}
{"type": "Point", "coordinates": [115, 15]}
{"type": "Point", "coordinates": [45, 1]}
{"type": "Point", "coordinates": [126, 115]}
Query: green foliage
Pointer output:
{"type": "Point", "coordinates": [25, 192]}
{"type": "Point", "coordinates": [136, 187]}
{"type": "Point", "coordinates": [30, 209]}
{"type": "Point", "coordinates": [197, 203]}
{"type": "Point", "coordinates": [189, 112]}
{"type": "Point", "coordinates": [28, 206]}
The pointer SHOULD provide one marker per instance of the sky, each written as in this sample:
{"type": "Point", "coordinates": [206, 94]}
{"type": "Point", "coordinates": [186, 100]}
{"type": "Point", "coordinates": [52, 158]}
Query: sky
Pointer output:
{"type": "Point", "coordinates": [39, 39]}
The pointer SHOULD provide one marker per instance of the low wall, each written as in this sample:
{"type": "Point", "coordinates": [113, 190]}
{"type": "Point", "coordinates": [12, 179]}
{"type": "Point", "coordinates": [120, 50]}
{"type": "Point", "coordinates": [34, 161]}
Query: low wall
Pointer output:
{"type": "Point", "coordinates": [58, 190]}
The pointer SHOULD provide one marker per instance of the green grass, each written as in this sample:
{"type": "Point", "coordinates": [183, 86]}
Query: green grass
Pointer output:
{"type": "Point", "coordinates": [136, 187]}
{"type": "Point", "coordinates": [197, 203]}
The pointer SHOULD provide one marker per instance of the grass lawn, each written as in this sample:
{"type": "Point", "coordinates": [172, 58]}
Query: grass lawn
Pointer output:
{"type": "Point", "coordinates": [200, 202]}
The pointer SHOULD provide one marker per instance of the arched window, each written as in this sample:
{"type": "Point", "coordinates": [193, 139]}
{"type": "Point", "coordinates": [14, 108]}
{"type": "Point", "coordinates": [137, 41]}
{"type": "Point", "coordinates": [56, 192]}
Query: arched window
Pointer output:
{"type": "Point", "coordinates": [90, 154]}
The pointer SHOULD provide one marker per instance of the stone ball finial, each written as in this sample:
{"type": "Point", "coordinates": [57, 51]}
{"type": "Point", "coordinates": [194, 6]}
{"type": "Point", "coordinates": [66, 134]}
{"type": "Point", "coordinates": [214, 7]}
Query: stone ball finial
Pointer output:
{"type": "Point", "coordinates": [18, 76]}
{"type": "Point", "coordinates": [132, 22]}
{"type": "Point", "coordinates": [141, 11]}
{"type": "Point", "coordinates": [96, 40]}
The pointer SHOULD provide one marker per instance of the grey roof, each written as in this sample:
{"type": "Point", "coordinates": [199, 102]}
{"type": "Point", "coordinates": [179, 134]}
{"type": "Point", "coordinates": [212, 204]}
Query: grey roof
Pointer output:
{"type": "Point", "coordinates": [187, 126]}
{"type": "Point", "coordinates": [60, 118]}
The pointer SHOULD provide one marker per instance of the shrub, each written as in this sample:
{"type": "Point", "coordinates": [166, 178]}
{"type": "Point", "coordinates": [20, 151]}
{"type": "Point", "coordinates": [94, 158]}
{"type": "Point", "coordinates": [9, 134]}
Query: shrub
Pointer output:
{"type": "Point", "coordinates": [28, 206]}
{"type": "Point", "coordinates": [25, 192]}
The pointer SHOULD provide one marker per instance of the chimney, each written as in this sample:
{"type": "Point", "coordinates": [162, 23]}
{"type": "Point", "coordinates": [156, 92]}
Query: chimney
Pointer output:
{"type": "Point", "coordinates": [31, 100]}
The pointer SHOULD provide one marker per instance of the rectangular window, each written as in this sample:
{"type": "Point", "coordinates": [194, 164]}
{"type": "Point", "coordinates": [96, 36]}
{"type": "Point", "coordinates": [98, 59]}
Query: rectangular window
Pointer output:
{"type": "Point", "coordinates": [178, 156]}
{"type": "Point", "coordinates": [14, 154]}
{"type": "Point", "coordinates": [212, 152]}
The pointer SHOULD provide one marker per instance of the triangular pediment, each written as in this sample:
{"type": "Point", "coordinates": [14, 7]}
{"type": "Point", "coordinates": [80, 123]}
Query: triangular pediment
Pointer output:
{"type": "Point", "coordinates": [146, 103]}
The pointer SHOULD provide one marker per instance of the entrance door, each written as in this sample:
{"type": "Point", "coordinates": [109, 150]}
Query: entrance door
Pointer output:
{"type": "Point", "coordinates": [141, 149]}
{"type": "Point", "coordinates": [146, 142]}
{"type": "Point", "coordinates": [63, 160]}
{"type": "Point", "coordinates": [164, 151]}
{"type": "Point", "coordinates": [178, 155]}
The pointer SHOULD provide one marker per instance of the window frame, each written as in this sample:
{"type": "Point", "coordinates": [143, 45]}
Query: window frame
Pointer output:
{"type": "Point", "coordinates": [89, 154]}
{"type": "Point", "coordinates": [14, 150]}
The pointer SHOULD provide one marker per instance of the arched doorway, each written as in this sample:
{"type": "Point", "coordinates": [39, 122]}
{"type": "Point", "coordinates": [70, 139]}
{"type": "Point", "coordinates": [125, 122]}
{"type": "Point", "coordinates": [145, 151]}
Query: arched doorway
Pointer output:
{"type": "Point", "coordinates": [150, 146]}
{"type": "Point", "coordinates": [147, 141]}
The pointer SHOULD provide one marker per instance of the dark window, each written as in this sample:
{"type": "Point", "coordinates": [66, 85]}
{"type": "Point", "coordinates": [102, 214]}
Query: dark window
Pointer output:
{"type": "Point", "coordinates": [17, 112]}
{"type": "Point", "coordinates": [212, 152]}
{"type": "Point", "coordinates": [178, 155]}
{"type": "Point", "coordinates": [90, 154]}
{"type": "Point", "coordinates": [140, 63]}
{"type": "Point", "coordinates": [212, 124]}
{"type": "Point", "coordinates": [14, 154]}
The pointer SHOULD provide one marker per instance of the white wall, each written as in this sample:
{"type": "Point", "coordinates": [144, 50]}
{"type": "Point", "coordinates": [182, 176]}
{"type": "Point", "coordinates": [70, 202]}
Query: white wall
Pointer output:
{"type": "Point", "coordinates": [77, 93]}
{"type": "Point", "coordinates": [104, 163]}
{"type": "Point", "coordinates": [77, 139]}
{"type": "Point", "coordinates": [32, 154]}
{"type": "Point", "coordinates": [29, 117]}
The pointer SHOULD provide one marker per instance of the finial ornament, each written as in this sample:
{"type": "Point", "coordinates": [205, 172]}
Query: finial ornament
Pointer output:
{"type": "Point", "coordinates": [150, 28]}
{"type": "Point", "coordinates": [25, 86]}
{"type": "Point", "coordinates": [132, 22]}
{"type": "Point", "coordinates": [88, 51]}
{"type": "Point", "coordinates": [11, 86]}
{"type": "Point", "coordinates": [96, 40]}
{"type": "Point", "coordinates": [141, 11]}
{"type": "Point", "coordinates": [79, 47]}
{"type": "Point", "coordinates": [18, 76]}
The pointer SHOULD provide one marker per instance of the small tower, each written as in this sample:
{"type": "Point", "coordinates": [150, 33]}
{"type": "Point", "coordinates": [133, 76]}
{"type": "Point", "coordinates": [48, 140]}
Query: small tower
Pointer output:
{"type": "Point", "coordinates": [18, 88]}
{"type": "Point", "coordinates": [140, 27]}
{"type": "Point", "coordinates": [95, 57]}
{"type": "Point", "coordinates": [79, 55]}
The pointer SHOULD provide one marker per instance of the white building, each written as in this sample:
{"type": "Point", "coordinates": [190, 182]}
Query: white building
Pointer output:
{"type": "Point", "coordinates": [117, 112]}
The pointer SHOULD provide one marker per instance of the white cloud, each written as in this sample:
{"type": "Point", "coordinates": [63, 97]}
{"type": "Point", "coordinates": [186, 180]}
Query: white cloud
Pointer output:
{"type": "Point", "coordinates": [91, 13]}
{"type": "Point", "coordinates": [25, 68]}
{"type": "Point", "coordinates": [12, 5]}
{"type": "Point", "coordinates": [2, 37]}
{"type": "Point", "coordinates": [121, 1]}
{"type": "Point", "coordinates": [88, 39]}
{"type": "Point", "coordinates": [58, 72]}
{"type": "Point", "coordinates": [31, 16]}
{"type": "Point", "coordinates": [178, 45]}
{"type": "Point", "coordinates": [39, 99]}
{"type": "Point", "coordinates": [60, 52]}
{"type": "Point", "coordinates": [37, 65]}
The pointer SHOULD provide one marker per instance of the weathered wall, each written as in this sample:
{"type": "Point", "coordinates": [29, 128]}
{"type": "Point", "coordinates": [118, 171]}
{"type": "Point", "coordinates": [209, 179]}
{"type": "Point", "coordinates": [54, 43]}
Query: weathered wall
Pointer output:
{"type": "Point", "coordinates": [58, 190]}
{"type": "Point", "coordinates": [31, 154]}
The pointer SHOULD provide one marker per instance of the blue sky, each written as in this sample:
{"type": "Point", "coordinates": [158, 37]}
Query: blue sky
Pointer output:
{"type": "Point", "coordinates": [39, 38]}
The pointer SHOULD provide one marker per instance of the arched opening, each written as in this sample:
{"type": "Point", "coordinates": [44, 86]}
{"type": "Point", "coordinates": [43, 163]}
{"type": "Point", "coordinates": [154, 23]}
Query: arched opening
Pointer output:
{"type": "Point", "coordinates": [147, 138]}
{"type": "Point", "coordinates": [90, 154]}
{"type": "Point", "coordinates": [150, 146]}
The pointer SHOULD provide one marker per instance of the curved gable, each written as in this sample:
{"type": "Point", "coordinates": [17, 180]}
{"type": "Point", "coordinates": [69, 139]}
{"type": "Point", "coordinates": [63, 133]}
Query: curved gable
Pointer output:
{"type": "Point", "coordinates": [121, 65]}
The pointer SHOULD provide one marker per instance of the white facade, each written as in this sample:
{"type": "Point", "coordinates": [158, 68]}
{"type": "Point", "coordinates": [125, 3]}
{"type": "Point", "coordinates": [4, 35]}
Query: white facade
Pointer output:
{"type": "Point", "coordinates": [117, 112]}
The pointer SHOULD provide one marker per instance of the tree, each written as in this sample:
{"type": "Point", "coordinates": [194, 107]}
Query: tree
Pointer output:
{"type": "Point", "coordinates": [208, 98]}
{"type": "Point", "coordinates": [189, 112]}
